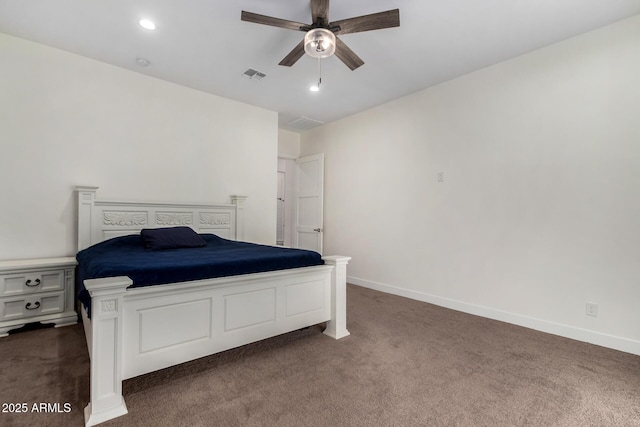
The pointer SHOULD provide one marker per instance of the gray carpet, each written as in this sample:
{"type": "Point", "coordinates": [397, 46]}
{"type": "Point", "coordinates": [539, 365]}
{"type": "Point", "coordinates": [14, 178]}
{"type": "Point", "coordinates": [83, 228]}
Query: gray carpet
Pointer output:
{"type": "Point", "coordinates": [406, 363]}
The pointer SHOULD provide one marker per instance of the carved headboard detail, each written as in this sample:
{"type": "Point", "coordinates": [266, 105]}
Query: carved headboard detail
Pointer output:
{"type": "Point", "coordinates": [100, 220]}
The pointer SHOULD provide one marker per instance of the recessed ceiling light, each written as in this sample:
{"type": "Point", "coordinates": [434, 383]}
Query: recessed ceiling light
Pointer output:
{"type": "Point", "coordinates": [316, 87]}
{"type": "Point", "coordinates": [149, 25]}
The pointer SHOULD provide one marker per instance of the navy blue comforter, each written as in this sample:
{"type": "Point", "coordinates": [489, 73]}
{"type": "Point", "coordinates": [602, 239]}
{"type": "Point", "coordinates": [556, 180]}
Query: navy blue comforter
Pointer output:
{"type": "Point", "coordinates": [126, 256]}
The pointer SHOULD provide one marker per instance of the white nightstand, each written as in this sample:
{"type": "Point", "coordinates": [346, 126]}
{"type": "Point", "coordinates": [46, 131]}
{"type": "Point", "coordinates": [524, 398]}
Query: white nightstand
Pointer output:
{"type": "Point", "coordinates": [37, 290]}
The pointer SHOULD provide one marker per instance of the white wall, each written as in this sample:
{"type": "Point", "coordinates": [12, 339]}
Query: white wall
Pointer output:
{"type": "Point", "coordinates": [68, 120]}
{"type": "Point", "coordinates": [288, 144]}
{"type": "Point", "coordinates": [540, 206]}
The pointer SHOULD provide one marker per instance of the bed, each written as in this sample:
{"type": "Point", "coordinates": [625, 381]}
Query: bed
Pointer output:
{"type": "Point", "coordinates": [132, 329]}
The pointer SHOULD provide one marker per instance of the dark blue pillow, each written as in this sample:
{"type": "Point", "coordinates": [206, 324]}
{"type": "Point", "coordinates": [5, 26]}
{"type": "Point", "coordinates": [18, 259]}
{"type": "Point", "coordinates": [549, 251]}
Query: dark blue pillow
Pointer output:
{"type": "Point", "coordinates": [171, 238]}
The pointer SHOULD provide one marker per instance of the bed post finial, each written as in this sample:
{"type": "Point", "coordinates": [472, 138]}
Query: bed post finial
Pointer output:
{"type": "Point", "coordinates": [239, 202]}
{"type": "Point", "coordinates": [86, 197]}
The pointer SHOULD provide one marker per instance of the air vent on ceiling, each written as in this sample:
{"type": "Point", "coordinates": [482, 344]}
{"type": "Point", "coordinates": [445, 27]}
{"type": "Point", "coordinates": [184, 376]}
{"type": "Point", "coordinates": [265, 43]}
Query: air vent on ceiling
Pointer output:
{"type": "Point", "coordinates": [304, 123]}
{"type": "Point", "coordinates": [253, 74]}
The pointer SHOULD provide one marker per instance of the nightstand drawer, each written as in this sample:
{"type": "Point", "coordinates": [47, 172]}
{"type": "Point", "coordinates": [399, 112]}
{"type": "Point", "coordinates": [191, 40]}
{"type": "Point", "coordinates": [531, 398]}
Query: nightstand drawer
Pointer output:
{"type": "Point", "coordinates": [37, 290]}
{"type": "Point", "coordinates": [30, 282]}
{"type": "Point", "coordinates": [31, 305]}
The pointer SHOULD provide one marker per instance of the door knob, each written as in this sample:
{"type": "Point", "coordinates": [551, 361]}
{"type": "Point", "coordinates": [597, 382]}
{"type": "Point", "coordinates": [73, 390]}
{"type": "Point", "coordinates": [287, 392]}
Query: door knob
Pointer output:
{"type": "Point", "coordinates": [317, 229]}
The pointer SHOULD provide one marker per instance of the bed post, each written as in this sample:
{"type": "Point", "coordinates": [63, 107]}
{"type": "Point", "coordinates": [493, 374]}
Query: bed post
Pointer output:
{"type": "Point", "coordinates": [106, 401]}
{"type": "Point", "coordinates": [239, 202]}
{"type": "Point", "coordinates": [337, 326]}
{"type": "Point", "coordinates": [86, 197]}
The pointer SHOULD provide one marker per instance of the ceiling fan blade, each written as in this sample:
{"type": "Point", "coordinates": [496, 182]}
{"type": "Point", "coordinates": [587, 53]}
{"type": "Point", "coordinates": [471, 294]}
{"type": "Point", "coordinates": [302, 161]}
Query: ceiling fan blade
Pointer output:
{"type": "Point", "coordinates": [346, 55]}
{"type": "Point", "coordinates": [375, 21]}
{"type": "Point", "coordinates": [268, 20]}
{"type": "Point", "coordinates": [320, 11]}
{"type": "Point", "coordinates": [294, 55]}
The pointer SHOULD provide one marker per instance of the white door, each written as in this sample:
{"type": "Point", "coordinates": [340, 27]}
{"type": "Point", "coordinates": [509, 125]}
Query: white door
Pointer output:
{"type": "Point", "coordinates": [308, 203]}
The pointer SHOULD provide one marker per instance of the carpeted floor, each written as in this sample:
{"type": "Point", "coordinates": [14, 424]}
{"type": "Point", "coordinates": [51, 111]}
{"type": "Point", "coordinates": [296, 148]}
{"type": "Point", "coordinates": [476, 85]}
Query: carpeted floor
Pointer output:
{"type": "Point", "coordinates": [406, 363]}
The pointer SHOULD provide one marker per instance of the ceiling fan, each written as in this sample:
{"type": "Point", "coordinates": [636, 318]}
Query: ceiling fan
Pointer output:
{"type": "Point", "coordinates": [320, 40]}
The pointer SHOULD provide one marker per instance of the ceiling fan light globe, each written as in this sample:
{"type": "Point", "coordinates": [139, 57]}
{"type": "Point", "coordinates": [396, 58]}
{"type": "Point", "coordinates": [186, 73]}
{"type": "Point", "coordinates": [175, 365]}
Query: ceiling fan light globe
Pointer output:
{"type": "Point", "coordinates": [319, 43]}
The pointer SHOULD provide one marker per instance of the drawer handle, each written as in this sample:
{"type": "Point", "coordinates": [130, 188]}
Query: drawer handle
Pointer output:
{"type": "Point", "coordinates": [35, 283]}
{"type": "Point", "coordinates": [35, 306]}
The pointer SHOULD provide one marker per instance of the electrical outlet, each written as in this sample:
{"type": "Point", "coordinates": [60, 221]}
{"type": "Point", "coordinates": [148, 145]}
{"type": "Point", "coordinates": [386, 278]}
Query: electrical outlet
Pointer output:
{"type": "Point", "coordinates": [440, 176]}
{"type": "Point", "coordinates": [592, 309]}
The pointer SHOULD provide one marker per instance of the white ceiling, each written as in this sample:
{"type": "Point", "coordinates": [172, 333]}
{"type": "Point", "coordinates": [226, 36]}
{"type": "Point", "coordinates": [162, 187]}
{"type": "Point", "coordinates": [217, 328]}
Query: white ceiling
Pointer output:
{"type": "Point", "coordinates": [203, 44]}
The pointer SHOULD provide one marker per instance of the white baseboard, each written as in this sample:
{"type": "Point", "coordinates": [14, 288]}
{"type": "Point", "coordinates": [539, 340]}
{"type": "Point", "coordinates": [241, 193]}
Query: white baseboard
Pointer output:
{"type": "Point", "coordinates": [584, 335]}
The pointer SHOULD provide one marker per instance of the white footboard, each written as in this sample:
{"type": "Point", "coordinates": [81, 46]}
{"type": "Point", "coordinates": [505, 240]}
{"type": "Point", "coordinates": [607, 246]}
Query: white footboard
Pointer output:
{"type": "Point", "coordinates": [140, 330]}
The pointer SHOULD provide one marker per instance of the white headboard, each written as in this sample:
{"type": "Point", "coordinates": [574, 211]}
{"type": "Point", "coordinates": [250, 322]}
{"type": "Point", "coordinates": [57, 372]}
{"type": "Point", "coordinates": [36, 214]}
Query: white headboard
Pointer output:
{"type": "Point", "coordinates": [100, 220]}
